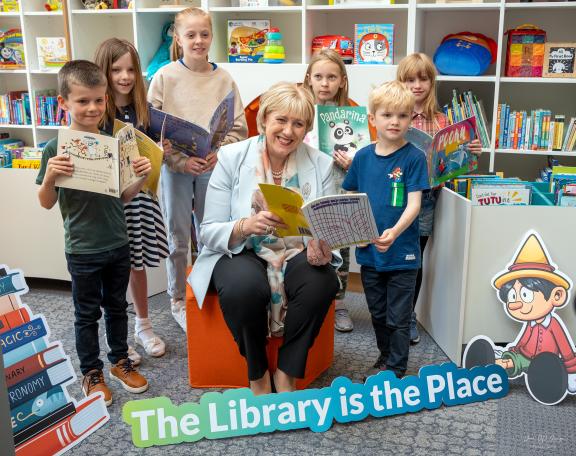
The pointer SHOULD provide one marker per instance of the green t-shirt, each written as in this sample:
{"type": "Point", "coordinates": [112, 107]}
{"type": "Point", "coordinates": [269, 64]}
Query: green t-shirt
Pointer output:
{"type": "Point", "coordinates": [93, 222]}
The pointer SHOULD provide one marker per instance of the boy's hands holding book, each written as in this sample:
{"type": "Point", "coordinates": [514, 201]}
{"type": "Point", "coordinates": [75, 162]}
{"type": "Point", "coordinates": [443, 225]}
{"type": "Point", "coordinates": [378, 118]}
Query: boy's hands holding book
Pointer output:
{"type": "Point", "coordinates": [318, 252]}
{"type": "Point", "coordinates": [385, 241]}
{"type": "Point", "coordinates": [59, 165]}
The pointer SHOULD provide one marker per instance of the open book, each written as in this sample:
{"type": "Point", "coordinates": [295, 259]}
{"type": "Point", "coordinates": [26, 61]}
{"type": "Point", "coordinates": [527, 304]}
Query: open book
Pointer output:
{"type": "Point", "coordinates": [102, 164]}
{"type": "Point", "coordinates": [340, 220]}
{"type": "Point", "coordinates": [149, 149]}
{"type": "Point", "coordinates": [192, 139]}
{"type": "Point", "coordinates": [447, 153]}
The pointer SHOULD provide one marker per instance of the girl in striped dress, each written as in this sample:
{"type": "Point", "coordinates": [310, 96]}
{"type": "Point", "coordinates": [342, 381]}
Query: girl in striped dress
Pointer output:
{"type": "Point", "coordinates": [127, 102]}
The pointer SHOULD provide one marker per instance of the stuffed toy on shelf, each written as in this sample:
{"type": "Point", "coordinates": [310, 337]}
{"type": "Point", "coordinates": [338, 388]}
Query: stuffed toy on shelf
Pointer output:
{"type": "Point", "coordinates": [162, 56]}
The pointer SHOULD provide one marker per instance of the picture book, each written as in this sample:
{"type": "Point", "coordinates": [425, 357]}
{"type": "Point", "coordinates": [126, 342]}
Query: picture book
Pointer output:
{"type": "Point", "coordinates": [52, 52]}
{"type": "Point", "coordinates": [151, 150]}
{"type": "Point", "coordinates": [246, 40]}
{"type": "Point", "coordinates": [374, 43]}
{"type": "Point", "coordinates": [11, 49]}
{"type": "Point", "coordinates": [447, 152]}
{"type": "Point", "coordinates": [342, 128]}
{"type": "Point", "coordinates": [340, 220]}
{"type": "Point", "coordinates": [192, 139]}
{"type": "Point", "coordinates": [499, 194]}
{"type": "Point", "coordinates": [102, 164]}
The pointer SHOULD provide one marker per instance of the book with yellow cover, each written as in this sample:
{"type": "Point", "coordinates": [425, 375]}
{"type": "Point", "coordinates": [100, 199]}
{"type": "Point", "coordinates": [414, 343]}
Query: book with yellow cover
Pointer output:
{"type": "Point", "coordinates": [149, 149]}
{"type": "Point", "coordinates": [340, 220]}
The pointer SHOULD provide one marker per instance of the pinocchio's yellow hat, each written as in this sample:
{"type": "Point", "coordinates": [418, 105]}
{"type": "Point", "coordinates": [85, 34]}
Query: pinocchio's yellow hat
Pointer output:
{"type": "Point", "coordinates": [531, 262]}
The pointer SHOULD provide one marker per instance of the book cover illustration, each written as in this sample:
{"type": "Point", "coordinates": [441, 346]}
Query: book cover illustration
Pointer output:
{"type": "Point", "coordinates": [102, 164]}
{"type": "Point", "coordinates": [44, 419]}
{"type": "Point", "coordinates": [11, 49]}
{"type": "Point", "coordinates": [246, 40]}
{"type": "Point", "coordinates": [342, 128]}
{"type": "Point", "coordinates": [447, 152]}
{"type": "Point", "coordinates": [497, 194]}
{"type": "Point", "coordinates": [340, 220]}
{"type": "Point", "coordinates": [374, 43]}
{"type": "Point", "coordinates": [149, 149]}
{"type": "Point", "coordinates": [52, 52]}
{"type": "Point", "coordinates": [192, 139]}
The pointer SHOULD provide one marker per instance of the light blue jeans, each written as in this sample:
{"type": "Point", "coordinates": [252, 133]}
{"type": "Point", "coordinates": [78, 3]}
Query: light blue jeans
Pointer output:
{"type": "Point", "coordinates": [181, 192]}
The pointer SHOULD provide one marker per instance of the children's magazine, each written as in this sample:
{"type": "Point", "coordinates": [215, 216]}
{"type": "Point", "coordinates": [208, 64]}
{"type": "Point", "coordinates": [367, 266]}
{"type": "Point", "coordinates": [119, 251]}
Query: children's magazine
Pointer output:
{"type": "Point", "coordinates": [342, 128]}
{"type": "Point", "coordinates": [189, 138]}
{"type": "Point", "coordinates": [374, 43]}
{"type": "Point", "coordinates": [447, 152]}
{"type": "Point", "coordinates": [52, 52]}
{"type": "Point", "coordinates": [102, 164]}
{"type": "Point", "coordinates": [340, 220]}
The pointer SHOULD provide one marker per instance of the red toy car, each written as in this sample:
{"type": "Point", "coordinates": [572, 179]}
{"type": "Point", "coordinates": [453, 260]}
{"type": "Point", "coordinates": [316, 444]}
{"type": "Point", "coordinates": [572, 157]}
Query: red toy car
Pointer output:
{"type": "Point", "coordinates": [339, 43]}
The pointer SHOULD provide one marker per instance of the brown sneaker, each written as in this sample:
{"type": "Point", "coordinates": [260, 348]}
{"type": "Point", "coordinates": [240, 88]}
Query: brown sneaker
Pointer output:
{"type": "Point", "coordinates": [131, 380]}
{"type": "Point", "coordinates": [93, 382]}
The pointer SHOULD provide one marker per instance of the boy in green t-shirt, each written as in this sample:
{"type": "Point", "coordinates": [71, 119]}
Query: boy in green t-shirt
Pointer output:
{"type": "Point", "coordinates": [96, 241]}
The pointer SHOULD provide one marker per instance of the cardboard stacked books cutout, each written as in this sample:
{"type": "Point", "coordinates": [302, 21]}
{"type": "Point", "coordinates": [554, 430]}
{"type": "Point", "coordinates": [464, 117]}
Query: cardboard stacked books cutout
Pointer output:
{"type": "Point", "coordinates": [531, 288]}
{"type": "Point", "coordinates": [44, 419]}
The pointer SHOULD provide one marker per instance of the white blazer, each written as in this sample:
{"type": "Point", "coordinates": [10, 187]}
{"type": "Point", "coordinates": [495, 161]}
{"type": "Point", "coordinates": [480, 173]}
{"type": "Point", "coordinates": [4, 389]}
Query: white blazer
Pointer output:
{"type": "Point", "coordinates": [229, 198]}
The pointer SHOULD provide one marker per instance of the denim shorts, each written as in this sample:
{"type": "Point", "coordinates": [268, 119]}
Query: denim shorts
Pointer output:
{"type": "Point", "coordinates": [426, 216]}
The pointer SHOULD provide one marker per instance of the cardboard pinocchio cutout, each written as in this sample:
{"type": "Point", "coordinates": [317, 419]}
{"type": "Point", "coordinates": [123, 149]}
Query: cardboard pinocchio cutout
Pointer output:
{"type": "Point", "coordinates": [531, 289]}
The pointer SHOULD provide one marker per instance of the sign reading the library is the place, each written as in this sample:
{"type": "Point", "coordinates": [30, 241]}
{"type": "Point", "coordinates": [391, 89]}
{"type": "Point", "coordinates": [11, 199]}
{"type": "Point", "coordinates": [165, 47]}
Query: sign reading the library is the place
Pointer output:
{"type": "Point", "coordinates": [238, 412]}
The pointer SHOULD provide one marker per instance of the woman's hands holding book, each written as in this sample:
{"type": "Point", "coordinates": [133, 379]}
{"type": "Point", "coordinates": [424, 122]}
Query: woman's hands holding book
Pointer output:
{"type": "Point", "coordinates": [263, 223]}
{"type": "Point", "coordinates": [318, 253]}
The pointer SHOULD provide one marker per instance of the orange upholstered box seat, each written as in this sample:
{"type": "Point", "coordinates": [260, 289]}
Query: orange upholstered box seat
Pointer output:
{"type": "Point", "coordinates": [215, 361]}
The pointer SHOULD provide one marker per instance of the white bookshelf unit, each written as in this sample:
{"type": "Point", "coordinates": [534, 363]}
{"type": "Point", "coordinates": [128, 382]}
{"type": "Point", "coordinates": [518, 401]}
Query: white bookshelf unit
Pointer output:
{"type": "Point", "coordinates": [419, 26]}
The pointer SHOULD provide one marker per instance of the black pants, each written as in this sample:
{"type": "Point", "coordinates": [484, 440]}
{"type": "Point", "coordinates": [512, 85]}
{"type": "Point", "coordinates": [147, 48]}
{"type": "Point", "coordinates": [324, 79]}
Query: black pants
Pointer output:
{"type": "Point", "coordinates": [389, 296]}
{"type": "Point", "coordinates": [100, 280]}
{"type": "Point", "coordinates": [244, 294]}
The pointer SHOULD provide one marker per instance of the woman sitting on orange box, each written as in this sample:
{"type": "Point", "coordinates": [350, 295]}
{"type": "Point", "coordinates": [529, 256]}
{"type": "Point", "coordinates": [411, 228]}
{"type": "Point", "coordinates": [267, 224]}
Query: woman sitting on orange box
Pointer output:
{"type": "Point", "coordinates": [254, 271]}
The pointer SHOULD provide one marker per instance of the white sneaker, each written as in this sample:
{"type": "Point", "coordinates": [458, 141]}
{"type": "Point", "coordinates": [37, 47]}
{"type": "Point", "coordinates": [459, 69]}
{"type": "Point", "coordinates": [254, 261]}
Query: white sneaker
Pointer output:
{"type": "Point", "coordinates": [134, 356]}
{"type": "Point", "coordinates": [154, 346]}
{"type": "Point", "coordinates": [178, 308]}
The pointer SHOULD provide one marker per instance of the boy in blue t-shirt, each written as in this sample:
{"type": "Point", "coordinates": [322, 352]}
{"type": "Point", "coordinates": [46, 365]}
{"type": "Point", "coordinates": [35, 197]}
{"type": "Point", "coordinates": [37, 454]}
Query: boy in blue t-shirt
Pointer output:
{"type": "Point", "coordinates": [96, 241]}
{"type": "Point", "coordinates": [393, 173]}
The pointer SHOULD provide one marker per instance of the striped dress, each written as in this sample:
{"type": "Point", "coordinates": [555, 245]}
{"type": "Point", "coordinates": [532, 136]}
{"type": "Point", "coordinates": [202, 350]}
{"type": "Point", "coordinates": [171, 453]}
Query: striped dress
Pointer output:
{"type": "Point", "coordinates": [146, 231]}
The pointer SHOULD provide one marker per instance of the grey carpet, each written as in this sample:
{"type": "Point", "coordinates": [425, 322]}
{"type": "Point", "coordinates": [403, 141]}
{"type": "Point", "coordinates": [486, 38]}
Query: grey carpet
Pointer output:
{"type": "Point", "coordinates": [509, 426]}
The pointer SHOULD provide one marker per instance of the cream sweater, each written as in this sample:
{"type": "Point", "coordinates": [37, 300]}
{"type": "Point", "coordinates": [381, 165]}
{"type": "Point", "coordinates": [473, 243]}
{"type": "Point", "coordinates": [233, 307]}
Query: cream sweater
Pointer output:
{"type": "Point", "coordinates": [194, 97]}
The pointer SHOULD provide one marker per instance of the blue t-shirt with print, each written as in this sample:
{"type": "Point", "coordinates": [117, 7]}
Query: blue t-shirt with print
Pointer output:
{"type": "Point", "coordinates": [387, 180]}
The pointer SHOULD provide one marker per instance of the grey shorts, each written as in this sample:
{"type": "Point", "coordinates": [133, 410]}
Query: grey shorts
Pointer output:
{"type": "Point", "coordinates": [426, 216]}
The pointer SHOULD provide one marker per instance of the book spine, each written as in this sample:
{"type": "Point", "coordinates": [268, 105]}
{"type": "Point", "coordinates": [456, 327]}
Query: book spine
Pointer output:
{"type": "Point", "coordinates": [13, 319]}
{"type": "Point", "coordinates": [21, 335]}
{"type": "Point", "coordinates": [550, 142]}
{"type": "Point", "coordinates": [39, 383]}
{"type": "Point", "coordinates": [90, 415]}
{"type": "Point", "coordinates": [33, 365]}
{"type": "Point", "coordinates": [536, 130]}
{"type": "Point", "coordinates": [24, 351]}
{"type": "Point", "coordinates": [498, 115]}
{"type": "Point", "coordinates": [527, 133]}
{"type": "Point", "coordinates": [44, 423]}
{"type": "Point", "coordinates": [30, 412]}
{"type": "Point", "coordinates": [8, 303]}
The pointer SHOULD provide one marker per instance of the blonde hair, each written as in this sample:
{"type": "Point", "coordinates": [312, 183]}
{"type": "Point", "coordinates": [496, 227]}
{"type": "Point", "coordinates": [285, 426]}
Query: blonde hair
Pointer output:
{"type": "Point", "coordinates": [287, 98]}
{"type": "Point", "coordinates": [175, 50]}
{"type": "Point", "coordinates": [107, 53]}
{"type": "Point", "coordinates": [420, 65]}
{"type": "Point", "coordinates": [393, 95]}
{"type": "Point", "coordinates": [329, 55]}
